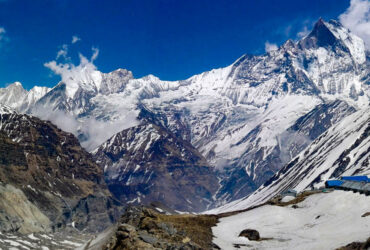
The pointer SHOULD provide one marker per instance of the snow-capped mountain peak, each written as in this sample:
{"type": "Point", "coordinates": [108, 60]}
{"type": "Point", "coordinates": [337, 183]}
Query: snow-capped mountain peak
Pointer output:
{"type": "Point", "coordinates": [15, 84]}
{"type": "Point", "coordinates": [332, 34]}
{"type": "Point", "coordinates": [115, 81]}
{"type": "Point", "coordinates": [16, 97]}
{"type": "Point", "coordinates": [320, 36]}
{"type": "Point", "coordinates": [13, 94]}
{"type": "Point", "coordinates": [84, 77]}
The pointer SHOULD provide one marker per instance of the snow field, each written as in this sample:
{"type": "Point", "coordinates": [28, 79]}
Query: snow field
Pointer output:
{"type": "Point", "coordinates": [321, 221]}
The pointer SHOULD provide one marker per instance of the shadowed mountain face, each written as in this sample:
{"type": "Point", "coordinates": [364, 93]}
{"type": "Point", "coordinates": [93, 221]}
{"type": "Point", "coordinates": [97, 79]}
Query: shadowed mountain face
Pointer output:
{"type": "Point", "coordinates": [48, 180]}
{"type": "Point", "coordinates": [148, 163]}
{"type": "Point", "coordinates": [320, 36]}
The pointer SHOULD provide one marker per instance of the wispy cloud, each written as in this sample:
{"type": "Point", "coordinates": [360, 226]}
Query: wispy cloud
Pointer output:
{"type": "Point", "coordinates": [63, 52]}
{"type": "Point", "coordinates": [357, 19]}
{"type": "Point", "coordinates": [2, 31]}
{"type": "Point", "coordinates": [305, 28]}
{"type": "Point", "coordinates": [73, 75]}
{"type": "Point", "coordinates": [95, 54]}
{"type": "Point", "coordinates": [3, 37]}
{"type": "Point", "coordinates": [270, 46]}
{"type": "Point", "coordinates": [75, 39]}
{"type": "Point", "coordinates": [296, 29]}
{"type": "Point", "coordinates": [303, 32]}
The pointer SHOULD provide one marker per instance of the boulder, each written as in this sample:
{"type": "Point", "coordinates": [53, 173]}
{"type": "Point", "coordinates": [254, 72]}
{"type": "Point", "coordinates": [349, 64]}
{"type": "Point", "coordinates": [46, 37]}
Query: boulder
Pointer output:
{"type": "Point", "coordinates": [251, 234]}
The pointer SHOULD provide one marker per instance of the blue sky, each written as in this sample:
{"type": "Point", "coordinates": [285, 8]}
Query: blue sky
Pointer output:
{"type": "Point", "coordinates": [171, 39]}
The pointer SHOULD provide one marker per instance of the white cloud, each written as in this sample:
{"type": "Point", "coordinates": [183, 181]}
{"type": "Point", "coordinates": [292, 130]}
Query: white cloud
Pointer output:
{"type": "Point", "coordinates": [270, 46]}
{"type": "Point", "coordinates": [72, 75]}
{"type": "Point", "coordinates": [357, 19]}
{"type": "Point", "coordinates": [94, 131]}
{"type": "Point", "coordinates": [63, 120]}
{"type": "Point", "coordinates": [63, 52]}
{"type": "Point", "coordinates": [75, 39]}
{"type": "Point", "coordinates": [97, 132]}
{"type": "Point", "coordinates": [95, 54]}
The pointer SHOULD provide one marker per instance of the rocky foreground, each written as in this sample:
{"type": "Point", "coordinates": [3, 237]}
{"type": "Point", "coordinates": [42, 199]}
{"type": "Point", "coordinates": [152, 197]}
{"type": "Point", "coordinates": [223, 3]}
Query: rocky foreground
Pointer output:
{"type": "Point", "coordinates": [154, 228]}
{"type": "Point", "coordinates": [144, 228]}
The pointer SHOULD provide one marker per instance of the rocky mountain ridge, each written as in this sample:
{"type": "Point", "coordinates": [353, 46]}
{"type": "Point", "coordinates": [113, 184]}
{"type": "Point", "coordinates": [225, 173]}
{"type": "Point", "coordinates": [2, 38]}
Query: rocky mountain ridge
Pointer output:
{"type": "Point", "coordinates": [148, 163]}
{"type": "Point", "coordinates": [47, 180]}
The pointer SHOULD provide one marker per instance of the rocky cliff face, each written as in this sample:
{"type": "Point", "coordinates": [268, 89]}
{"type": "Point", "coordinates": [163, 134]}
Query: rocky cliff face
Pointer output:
{"type": "Point", "coordinates": [48, 180]}
{"type": "Point", "coordinates": [148, 163]}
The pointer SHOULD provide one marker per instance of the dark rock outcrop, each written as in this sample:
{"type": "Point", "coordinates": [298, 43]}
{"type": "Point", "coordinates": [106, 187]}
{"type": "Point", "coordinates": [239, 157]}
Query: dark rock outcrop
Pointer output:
{"type": "Point", "coordinates": [143, 228]}
{"type": "Point", "coordinates": [251, 234]}
{"type": "Point", "coordinates": [357, 246]}
{"type": "Point", "coordinates": [46, 177]}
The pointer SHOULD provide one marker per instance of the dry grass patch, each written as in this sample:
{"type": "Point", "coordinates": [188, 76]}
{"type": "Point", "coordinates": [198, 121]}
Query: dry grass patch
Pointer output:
{"type": "Point", "coordinates": [197, 227]}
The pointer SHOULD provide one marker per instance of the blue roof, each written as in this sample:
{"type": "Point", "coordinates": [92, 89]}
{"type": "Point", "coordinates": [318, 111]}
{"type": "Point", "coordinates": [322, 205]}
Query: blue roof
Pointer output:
{"type": "Point", "coordinates": [334, 183]}
{"type": "Point", "coordinates": [355, 178]}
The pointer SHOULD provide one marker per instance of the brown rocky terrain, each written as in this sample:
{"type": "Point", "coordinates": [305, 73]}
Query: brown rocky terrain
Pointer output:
{"type": "Point", "coordinates": [144, 228]}
{"type": "Point", "coordinates": [47, 180]}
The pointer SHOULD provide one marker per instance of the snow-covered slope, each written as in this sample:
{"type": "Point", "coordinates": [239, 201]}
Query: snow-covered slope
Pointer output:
{"type": "Point", "coordinates": [321, 221]}
{"type": "Point", "coordinates": [238, 117]}
{"type": "Point", "coordinates": [344, 149]}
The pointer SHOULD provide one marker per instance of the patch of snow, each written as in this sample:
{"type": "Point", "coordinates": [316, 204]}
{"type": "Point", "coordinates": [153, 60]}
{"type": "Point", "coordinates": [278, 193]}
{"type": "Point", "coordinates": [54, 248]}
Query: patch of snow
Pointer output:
{"type": "Point", "coordinates": [13, 243]}
{"type": "Point", "coordinates": [67, 242]}
{"type": "Point", "coordinates": [287, 198]}
{"type": "Point", "coordinates": [322, 221]}
{"type": "Point", "coordinates": [45, 236]}
{"type": "Point", "coordinates": [159, 210]}
{"type": "Point", "coordinates": [32, 237]}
